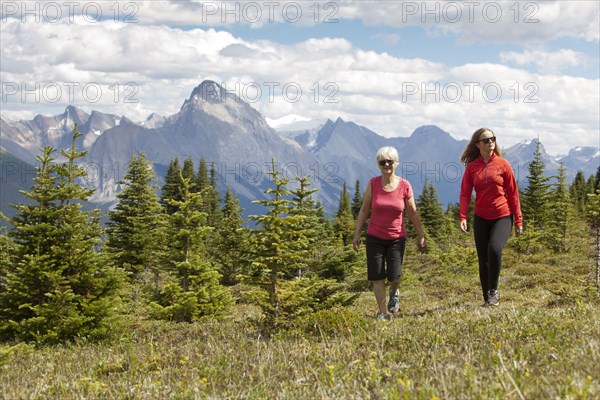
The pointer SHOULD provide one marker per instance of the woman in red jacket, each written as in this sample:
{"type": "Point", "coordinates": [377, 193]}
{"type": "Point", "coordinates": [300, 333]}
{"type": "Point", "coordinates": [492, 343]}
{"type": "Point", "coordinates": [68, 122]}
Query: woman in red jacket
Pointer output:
{"type": "Point", "coordinates": [386, 199]}
{"type": "Point", "coordinates": [496, 206]}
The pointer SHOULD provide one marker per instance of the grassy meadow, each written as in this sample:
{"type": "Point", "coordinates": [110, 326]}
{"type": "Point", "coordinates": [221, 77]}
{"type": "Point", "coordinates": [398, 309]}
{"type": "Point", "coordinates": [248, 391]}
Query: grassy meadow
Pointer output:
{"type": "Point", "coordinates": [542, 342]}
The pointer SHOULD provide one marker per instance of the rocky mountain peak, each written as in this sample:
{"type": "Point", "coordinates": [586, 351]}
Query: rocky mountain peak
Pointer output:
{"type": "Point", "coordinates": [209, 91]}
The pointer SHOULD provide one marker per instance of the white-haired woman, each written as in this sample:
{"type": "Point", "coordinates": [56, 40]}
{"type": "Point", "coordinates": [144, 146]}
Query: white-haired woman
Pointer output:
{"type": "Point", "coordinates": [386, 198]}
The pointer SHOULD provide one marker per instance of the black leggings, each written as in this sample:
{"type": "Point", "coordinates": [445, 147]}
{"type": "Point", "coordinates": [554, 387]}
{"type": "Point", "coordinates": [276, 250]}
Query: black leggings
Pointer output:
{"type": "Point", "coordinates": [490, 238]}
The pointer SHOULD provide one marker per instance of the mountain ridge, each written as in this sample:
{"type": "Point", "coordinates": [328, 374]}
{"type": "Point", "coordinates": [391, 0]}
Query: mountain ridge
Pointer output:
{"type": "Point", "coordinates": [234, 137]}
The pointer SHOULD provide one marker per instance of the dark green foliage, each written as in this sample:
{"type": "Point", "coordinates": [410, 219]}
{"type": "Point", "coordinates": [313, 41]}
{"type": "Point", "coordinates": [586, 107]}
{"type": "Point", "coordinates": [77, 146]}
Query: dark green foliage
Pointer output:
{"type": "Point", "coordinates": [194, 290]}
{"type": "Point", "coordinates": [311, 224]}
{"type": "Point", "coordinates": [430, 211]}
{"type": "Point", "coordinates": [534, 202]}
{"type": "Point", "coordinates": [593, 219]}
{"type": "Point", "coordinates": [188, 173]}
{"type": "Point", "coordinates": [230, 251]}
{"type": "Point", "coordinates": [7, 252]}
{"type": "Point", "coordinates": [356, 200]}
{"type": "Point", "coordinates": [344, 222]}
{"type": "Point", "coordinates": [309, 294]}
{"type": "Point", "coordinates": [578, 192]}
{"type": "Point", "coordinates": [212, 199]}
{"type": "Point", "coordinates": [590, 187]}
{"type": "Point", "coordinates": [202, 176]}
{"type": "Point", "coordinates": [560, 214]}
{"type": "Point", "coordinates": [171, 190]}
{"type": "Point", "coordinates": [134, 224]}
{"type": "Point", "coordinates": [284, 243]}
{"type": "Point", "coordinates": [280, 245]}
{"type": "Point", "coordinates": [57, 286]}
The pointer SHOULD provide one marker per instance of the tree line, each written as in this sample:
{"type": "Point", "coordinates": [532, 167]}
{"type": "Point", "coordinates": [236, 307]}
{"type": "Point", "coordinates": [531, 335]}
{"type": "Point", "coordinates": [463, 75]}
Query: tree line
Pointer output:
{"type": "Point", "coordinates": [188, 254]}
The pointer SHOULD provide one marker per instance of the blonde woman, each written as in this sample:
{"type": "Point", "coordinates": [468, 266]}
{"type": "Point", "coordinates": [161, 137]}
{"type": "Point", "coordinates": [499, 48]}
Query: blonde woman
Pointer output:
{"type": "Point", "coordinates": [497, 206]}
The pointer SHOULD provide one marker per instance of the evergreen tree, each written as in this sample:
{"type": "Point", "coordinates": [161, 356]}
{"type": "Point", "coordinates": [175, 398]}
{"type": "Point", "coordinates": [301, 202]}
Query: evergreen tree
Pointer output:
{"type": "Point", "coordinates": [578, 192]}
{"type": "Point", "coordinates": [212, 198]}
{"type": "Point", "coordinates": [344, 223]}
{"type": "Point", "coordinates": [590, 187]}
{"type": "Point", "coordinates": [430, 210]}
{"type": "Point", "coordinates": [134, 224]}
{"type": "Point", "coordinates": [280, 244]}
{"type": "Point", "coordinates": [7, 251]}
{"type": "Point", "coordinates": [559, 213]}
{"type": "Point", "coordinates": [188, 173]}
{"type": "Point", "coordinates": [356, 200]}
{"type": "Point", "coordinates": [57, 286]}
{"type": "Point", "coordinates": [593, 219]}
{"type": "Point", "coordinates": [202, 176]}
{"type": "Point", "coordinates": [304, 205]}
{"type": "Point", "coordinates": [597, 180]}
{"type": "Point", "coordinates": [231, 248]}
{"type": "Point", "coordinates": [196, 291]}
{"type": "Point", "coordinates": [536, 195]}
{"type": "Point", "coordinates": [171, 190]}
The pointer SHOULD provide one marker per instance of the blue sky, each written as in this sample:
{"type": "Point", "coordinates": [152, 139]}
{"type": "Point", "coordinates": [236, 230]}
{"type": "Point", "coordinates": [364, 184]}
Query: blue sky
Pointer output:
{"type": "Point", "coordinates": [377, 62]}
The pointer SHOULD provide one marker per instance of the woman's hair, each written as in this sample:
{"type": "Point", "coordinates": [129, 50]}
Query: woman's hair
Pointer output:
{"type": "Point", "coordinates": [472, 151]}
{"type": "Point", "coordinates": [387, 153]}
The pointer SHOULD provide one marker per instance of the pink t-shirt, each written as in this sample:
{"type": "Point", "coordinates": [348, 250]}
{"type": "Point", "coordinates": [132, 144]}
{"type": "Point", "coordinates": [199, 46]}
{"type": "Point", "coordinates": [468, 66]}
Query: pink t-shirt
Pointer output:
{"type": "Point", "coordinates": [387, 208]}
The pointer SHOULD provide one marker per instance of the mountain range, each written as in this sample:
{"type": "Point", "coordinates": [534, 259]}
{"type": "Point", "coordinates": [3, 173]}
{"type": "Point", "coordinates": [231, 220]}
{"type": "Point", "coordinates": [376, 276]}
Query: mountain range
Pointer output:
{"type": "Point", "coordinates": [234, 137]}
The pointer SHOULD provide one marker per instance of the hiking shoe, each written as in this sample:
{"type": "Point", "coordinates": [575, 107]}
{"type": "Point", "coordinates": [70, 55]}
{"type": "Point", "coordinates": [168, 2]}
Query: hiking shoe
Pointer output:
{"type": "Point", "coordinates": [393, 304]}
{"type": "Point", "coordinates": [384, 317]}
{"type": "Point", "coordinates": [493, 298]}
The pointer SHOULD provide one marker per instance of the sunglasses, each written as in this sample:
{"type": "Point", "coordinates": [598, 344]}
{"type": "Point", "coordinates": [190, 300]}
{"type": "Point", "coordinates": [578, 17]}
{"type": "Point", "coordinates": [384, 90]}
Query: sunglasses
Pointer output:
{"type": "Point", "coordinates": [386, 162]}
{"type": "Point", "coordinates": [488, 139]}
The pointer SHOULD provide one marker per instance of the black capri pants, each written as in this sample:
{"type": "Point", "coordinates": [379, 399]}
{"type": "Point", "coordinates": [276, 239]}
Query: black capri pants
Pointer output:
{"type": "Point", "coordinates": [384, 258]}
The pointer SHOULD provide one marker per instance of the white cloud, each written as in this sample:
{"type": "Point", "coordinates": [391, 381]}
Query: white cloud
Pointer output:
{"type": "Point", "coordinates": [324, 78]}
{"type": "Point", "coordinates": [484, 21]}
{"type": "Point", "coordinates": [546, 62]}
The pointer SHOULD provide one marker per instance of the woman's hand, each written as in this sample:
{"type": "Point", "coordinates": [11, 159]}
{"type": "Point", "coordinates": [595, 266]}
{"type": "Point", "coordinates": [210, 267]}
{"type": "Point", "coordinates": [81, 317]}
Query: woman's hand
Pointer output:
{"type": "Point", "coordinates": [356, 242]}
{"type": "Point", "coordinates": [518, 230]}
{"type": "Point", "coordinates": [463, 225]}
{"type": "Point", "coordinates": [421, 243]}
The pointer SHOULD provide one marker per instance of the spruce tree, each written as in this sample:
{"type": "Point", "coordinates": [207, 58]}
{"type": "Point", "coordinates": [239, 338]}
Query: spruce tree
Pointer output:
{"type": "Point", "coordinates": [430, 210]}
{"type": "Point", "coordinates": [283, 242]}
{"type": "Point", "coordinates": [134, 224]}
{"type": "Point", "coordinates": [303, 204]}
{"type": "Point", "coordinates": [535, 197]}
{"type": "Point", "coordinates": [57, 286]}
{"type": "Point", "coordinates": [171, 190]}
{"type": "Point", "coordinates": [578, 192]}
{"type": "Point", "coordinates": [356, 200]}
{"type": "Point", "coordinates": [597, 180]}
{"type": "Point", "coordinates": [7, 252]}
{"type": "Point", "coordinates": [213, 200]}
{"type": "Point", "coordinates": [559, 213]}
{"type": "Point", "coordinates": [590, 188]}
{"type": "Point", "coordinates": [231, 245]}
{"type": "Point", "coordinates": [344, 223]}
{"type": "Point", "coordinates": [194, 290]}
{"type": "Point", "coordinates": [280, 244]}
{"type": "Point", "coordinates": [187, 172]}
{"type": "Point", "coordinates": [593, 219]}
{"type": "Point", "coordinates": [202, 176]}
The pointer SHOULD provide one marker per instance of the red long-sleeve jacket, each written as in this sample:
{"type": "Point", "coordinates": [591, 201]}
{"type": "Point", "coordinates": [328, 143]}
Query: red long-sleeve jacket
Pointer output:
{"type": "Point", "coordinates": [496, 192]}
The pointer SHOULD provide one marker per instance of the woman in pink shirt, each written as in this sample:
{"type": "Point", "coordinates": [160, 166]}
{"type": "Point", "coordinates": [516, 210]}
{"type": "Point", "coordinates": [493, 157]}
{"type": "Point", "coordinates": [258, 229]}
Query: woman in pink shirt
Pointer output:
{"type": "Point", "coordinates": [496, 207]}
{"type": "Point", "coordinates": [386, 197]}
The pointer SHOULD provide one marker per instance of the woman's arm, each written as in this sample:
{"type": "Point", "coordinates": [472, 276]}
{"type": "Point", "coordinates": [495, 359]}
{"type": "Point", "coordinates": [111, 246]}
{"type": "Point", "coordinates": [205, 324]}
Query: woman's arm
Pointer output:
{"type": "Point", "coordinates": [413, 215]}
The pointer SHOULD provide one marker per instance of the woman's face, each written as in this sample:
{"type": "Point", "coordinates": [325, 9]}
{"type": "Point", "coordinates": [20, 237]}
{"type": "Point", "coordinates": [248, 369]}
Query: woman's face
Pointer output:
{"type": "Point", "coordinates": [486, 142]}
{"type": "Point", "coordinates": [387, 165]}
